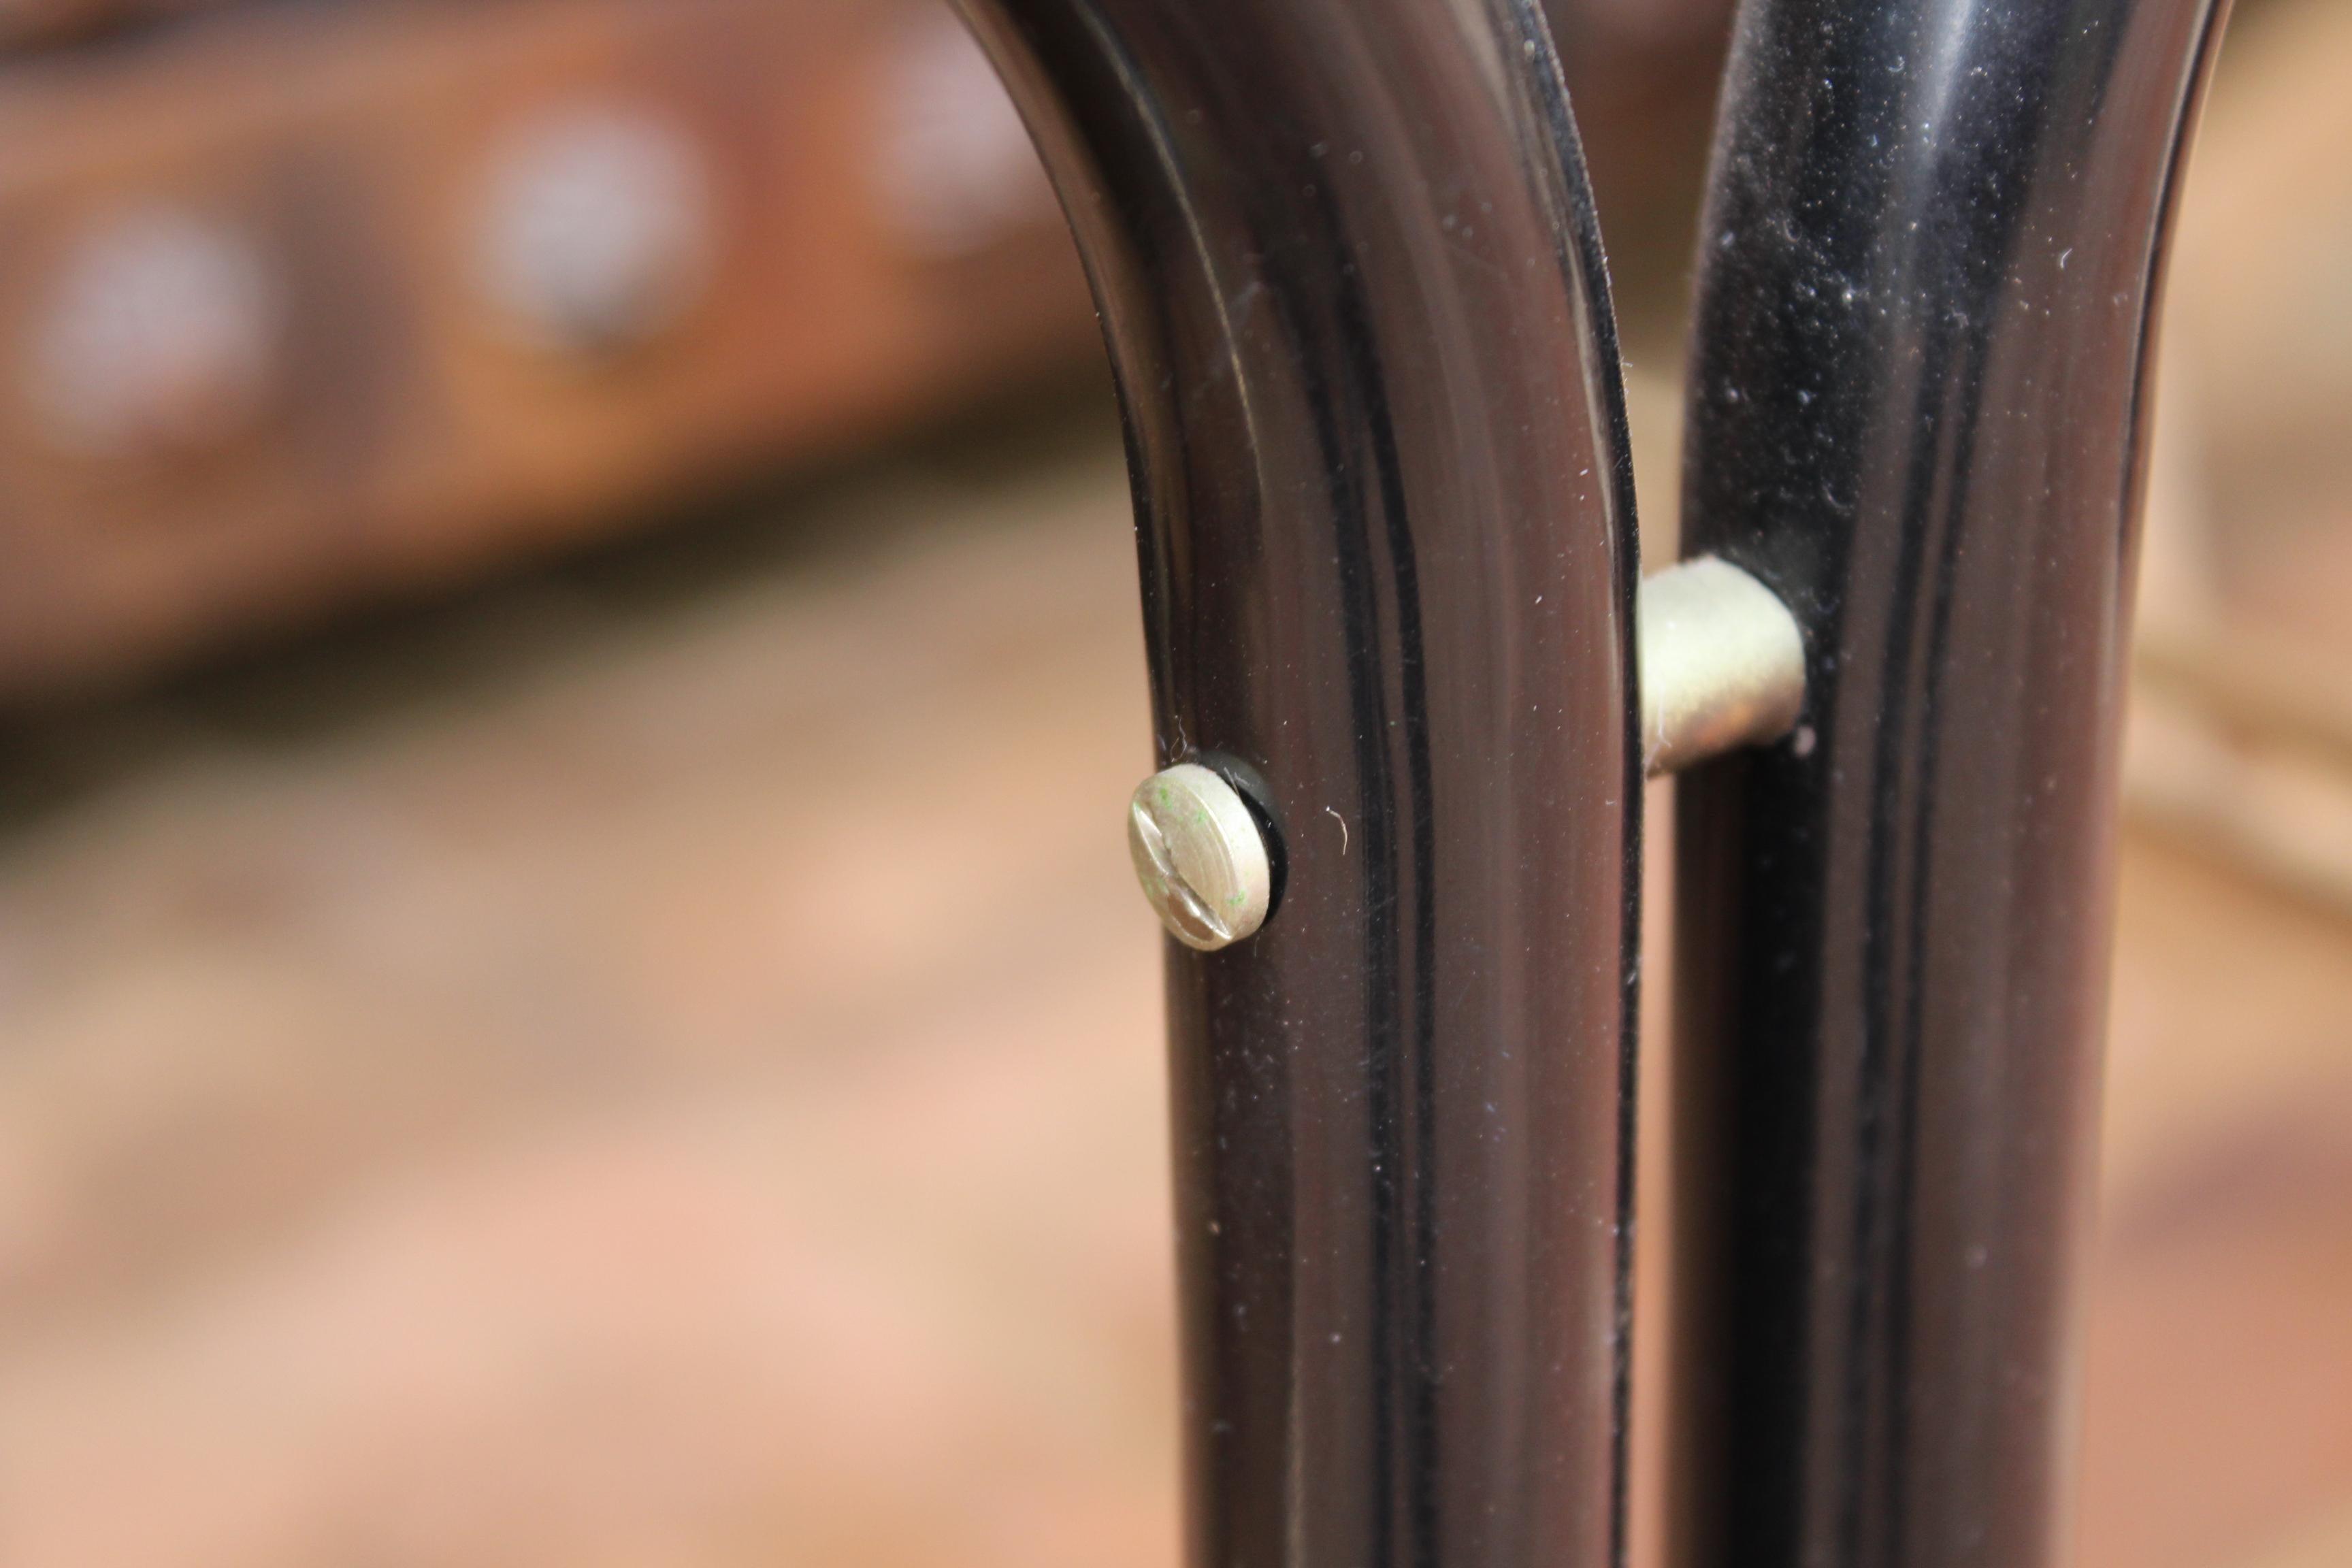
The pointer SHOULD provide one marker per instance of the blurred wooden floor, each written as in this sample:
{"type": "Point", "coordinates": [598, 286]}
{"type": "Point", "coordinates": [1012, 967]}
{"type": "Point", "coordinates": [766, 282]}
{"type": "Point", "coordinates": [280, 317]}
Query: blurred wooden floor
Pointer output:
{"type": "Point", "coordinates": [659, 1064]}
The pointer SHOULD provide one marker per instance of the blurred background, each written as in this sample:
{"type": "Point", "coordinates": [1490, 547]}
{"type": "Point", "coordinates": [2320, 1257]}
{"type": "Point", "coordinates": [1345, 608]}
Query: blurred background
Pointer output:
{"type": "Point", "coordinates": [557, 561]}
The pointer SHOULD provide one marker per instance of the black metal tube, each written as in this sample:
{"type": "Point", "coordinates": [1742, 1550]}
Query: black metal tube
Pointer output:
{"type": "Point", "coordinates": [1929, 268]}
{"type": "Point", "coordinates": [1349, 276]}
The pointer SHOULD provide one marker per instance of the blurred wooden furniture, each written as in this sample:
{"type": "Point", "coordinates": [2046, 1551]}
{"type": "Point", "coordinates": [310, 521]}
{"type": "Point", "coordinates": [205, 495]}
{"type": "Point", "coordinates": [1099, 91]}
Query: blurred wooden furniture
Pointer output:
{"type": "Point", "coordinates": [2241, 729]}
{"type": "Point", "coordinates": [299, 303]}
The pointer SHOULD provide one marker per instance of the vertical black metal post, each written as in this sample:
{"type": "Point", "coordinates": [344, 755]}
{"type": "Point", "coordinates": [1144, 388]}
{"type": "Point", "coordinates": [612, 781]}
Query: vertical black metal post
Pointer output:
{"type": "Point", "coordinates": [1347, 273]}
{"type": "Point", "coordinates": [1930, 268]}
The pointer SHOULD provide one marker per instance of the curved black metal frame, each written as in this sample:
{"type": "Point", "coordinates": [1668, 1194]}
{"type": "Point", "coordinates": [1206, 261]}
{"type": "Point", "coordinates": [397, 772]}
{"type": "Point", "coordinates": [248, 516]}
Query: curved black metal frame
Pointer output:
{"type": "Point", "coordinates": [1352, 290]}
{"type": "Point", "coordinates": [1930, 264]}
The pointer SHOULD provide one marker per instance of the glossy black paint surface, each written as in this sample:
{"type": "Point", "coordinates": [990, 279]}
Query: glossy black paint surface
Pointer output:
{"type": "Point", "coordinates": [1928, 269]}
{"type": "Point", "coordinates": [1354, 301]}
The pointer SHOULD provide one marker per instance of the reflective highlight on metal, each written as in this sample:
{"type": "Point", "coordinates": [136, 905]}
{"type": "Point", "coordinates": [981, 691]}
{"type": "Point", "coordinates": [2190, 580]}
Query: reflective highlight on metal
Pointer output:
{"type": "Point", "coordinates": [161, 337]}
{"type": "Point", "coordinates": [598, 229]}
{"type": "Point", "coordinates": [1917, 405]}
{"type": "Point", "coordinates": [1346, 266]}
{"type": "Point", "coordinates": [1201, 858]}
{"type": "Point", "coordinates": [1722, 664]}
